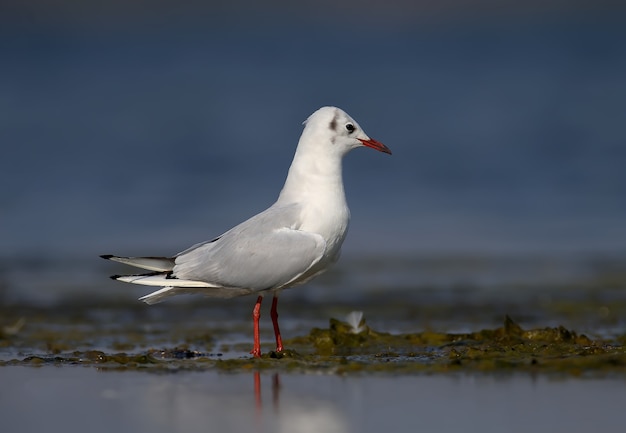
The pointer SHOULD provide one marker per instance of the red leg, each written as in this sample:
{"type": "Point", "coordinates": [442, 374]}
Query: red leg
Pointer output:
{"type": "Point", "coordinates": [274, 315]}
{"type": "Point", "coordinates": [256, 315]}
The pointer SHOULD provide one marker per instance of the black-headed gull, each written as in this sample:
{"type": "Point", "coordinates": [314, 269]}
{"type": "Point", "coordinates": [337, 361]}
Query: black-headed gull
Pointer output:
{"type": "Point", "coordinates": [289, 243]}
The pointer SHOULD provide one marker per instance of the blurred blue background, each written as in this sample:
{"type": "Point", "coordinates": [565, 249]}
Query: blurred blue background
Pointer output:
{"type": "Point", "coordinates": [144, 127]}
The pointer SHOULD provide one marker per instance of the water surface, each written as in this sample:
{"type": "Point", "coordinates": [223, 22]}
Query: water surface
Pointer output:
{"type": "Point", "coordinates": [211, 402]}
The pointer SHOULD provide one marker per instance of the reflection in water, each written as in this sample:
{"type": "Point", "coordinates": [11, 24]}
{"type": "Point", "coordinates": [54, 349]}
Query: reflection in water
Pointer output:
{"type": "Point", "coordinates": [275, 391]}
{"type": "Point", "coordinates": [258, 397]}
{"type": "Point", "coordinates": [299, 414]}
{"type": "Point", "coordinates": [230, 402]}
{"type": "Point", "coordinates": [73, 398]}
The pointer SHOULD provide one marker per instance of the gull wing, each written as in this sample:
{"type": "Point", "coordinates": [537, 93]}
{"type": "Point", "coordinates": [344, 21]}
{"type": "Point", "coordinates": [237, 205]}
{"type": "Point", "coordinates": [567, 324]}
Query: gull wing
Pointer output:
{"type": "Point", "coordinates": [265, 252]}
{"type": "Point", "coordinates": [159, 264]}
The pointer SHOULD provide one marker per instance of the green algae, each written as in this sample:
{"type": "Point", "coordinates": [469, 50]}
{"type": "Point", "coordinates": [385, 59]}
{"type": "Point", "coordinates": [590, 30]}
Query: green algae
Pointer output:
{"type": "Point", "coordinates": [136, 342]}
{"type": "Point", "coordinates": [199, 337]}
{"type": "Point", "coordinates": [507, 348]}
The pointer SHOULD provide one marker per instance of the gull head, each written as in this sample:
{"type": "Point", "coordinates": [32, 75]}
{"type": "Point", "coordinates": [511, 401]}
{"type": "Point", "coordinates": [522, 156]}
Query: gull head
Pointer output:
{"type": "Point", "coordinates": [333, 129]}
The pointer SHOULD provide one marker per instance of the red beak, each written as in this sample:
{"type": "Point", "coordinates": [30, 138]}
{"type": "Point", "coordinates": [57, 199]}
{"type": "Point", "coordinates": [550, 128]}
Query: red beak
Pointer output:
{"type": "Point", "coordinates": [375, 145]}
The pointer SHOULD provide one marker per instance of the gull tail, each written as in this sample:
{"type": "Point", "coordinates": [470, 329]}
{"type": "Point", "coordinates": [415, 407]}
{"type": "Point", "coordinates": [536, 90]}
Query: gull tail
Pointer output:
{"type": "Point", "coordinates": [165, 292]}
{"type": "Point", "coordinates": [159, 264]}
{"type": "Point", "coordinates": [171, 285]}
{"type": "Point", "coordinates": [161, 279]}
{"type": "Point", "coordinates": [161, 276]}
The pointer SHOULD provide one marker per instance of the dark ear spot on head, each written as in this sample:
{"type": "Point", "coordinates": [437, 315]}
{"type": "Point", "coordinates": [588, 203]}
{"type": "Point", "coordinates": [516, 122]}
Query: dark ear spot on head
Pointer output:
{"type": "Point", "coordinates": [333, 124]}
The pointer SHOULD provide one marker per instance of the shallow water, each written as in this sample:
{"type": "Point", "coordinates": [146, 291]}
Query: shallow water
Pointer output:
{"type": "Point", "coordinates": [84, 399]}
{"type": "Point", "coordinates": [115, 364]}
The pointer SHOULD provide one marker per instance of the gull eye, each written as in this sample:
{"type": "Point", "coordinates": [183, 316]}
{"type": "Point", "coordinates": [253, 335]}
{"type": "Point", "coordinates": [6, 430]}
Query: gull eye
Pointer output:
{"type": "Point", "coordinates": [350, 127]}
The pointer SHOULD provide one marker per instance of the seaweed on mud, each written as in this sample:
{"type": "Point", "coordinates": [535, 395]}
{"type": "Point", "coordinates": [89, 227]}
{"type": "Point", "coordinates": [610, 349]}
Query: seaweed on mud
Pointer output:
{"type": "Point", "coordinates": [341, 348]}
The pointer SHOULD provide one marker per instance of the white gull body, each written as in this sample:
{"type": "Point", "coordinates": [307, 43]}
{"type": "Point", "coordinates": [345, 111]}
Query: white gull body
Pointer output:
{"type": "Point", "coordinates": [293, 240]}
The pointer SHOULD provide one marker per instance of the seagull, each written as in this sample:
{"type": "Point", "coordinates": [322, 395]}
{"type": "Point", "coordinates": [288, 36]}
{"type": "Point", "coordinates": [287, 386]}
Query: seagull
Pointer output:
{"type": "Point", "coordinates": [292, 241]}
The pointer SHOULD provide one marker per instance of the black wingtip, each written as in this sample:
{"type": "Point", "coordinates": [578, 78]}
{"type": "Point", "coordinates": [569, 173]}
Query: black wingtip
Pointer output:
{"type": "Point", "coordinates": [115, 277]}
{"type": "Point", "coordinates": [107, 256]}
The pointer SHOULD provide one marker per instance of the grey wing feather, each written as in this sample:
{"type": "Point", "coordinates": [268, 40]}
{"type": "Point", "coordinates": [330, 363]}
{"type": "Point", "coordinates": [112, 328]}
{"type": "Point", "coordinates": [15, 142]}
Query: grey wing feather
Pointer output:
{"type": "Point", "coordinates": [265, 252]}
{"type": "Point", "coordinates": [160, 264]}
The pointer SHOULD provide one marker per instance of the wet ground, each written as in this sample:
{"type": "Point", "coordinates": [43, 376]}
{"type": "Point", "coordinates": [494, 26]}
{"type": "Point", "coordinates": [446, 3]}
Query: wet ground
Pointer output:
{"type": "Point", "coordinates": [189, 337]}
{"type": "Point", "coordinates": [442, 357]}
